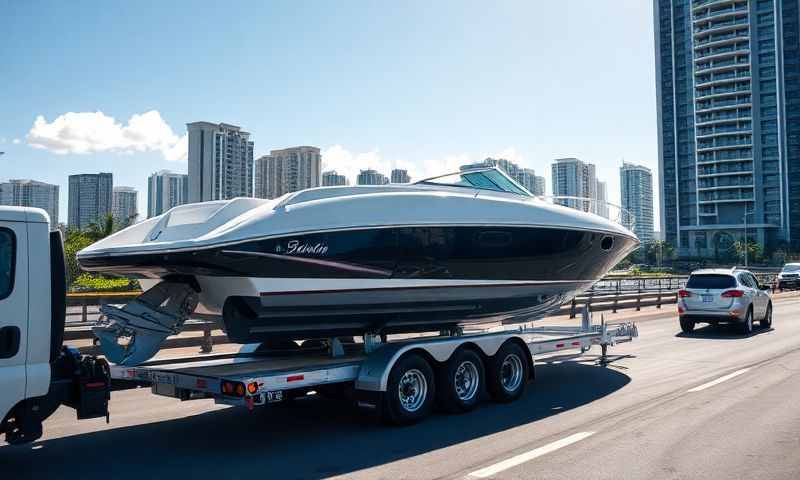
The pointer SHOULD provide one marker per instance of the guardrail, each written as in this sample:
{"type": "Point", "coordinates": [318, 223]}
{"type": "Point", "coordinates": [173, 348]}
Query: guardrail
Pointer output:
{"type": "Point", "coordinates": [608, 294]}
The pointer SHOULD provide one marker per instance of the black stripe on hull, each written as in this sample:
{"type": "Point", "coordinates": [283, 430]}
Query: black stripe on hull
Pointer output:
{"type": "Point", "coordinates": [424, 252]}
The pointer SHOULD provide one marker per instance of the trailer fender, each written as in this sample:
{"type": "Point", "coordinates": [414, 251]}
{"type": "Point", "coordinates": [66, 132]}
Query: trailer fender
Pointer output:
{"type": "Point", "coordinates": [374, 373]}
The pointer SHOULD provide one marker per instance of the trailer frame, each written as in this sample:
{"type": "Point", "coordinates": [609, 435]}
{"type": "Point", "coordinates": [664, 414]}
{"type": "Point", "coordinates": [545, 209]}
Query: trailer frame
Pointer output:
{"type": "Point", "coordinates": [249, 380]}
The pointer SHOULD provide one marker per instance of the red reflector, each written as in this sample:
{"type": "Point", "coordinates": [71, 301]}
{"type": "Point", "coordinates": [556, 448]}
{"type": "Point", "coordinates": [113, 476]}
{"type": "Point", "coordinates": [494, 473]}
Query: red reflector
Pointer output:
{"type": "Point", "coordinates": [733, 294]}
{"type": "Point", "coordinates": [201, 383]}
{"type": "Point", "coordinates": [227, 387]}
{"type": "Point", "coordinates": [295, 378]}
{"type": "Point", "coordinates": [576, 343]}
{"type": "Point", "coordinates": [95, 384]}
{"type": "Point", "coordinates": [252, 387]}
{"type": "Point", "coordinates": [559, 345]}
{"type": "Point", "coordinates": [684, 293]}
{"type": "Point", "coordinates": [240, 390]}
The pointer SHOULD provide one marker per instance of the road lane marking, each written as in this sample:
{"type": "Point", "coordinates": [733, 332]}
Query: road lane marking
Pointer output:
{"type": "Point", "coordinates": [530, 455]}
{"type": "Point", "coordinates": [719, 380]}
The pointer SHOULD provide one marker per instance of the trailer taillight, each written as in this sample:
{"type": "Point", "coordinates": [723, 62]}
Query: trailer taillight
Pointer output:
{"type": "Point", "coordinates": [252, 388]}
{"type": "Point", "coordinates": [235, 389]}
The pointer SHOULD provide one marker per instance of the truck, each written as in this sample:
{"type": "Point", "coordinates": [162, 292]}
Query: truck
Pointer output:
{"type": "Point", "coordinates": [400, 378]}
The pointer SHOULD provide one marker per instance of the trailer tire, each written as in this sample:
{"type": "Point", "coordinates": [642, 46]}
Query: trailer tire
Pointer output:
{"type": "Point", "coordinates": [508, 373]}
{"type": "Point", "coordinates": [461, 382]}
{"type": "Point", "coordinates": [410, 391]}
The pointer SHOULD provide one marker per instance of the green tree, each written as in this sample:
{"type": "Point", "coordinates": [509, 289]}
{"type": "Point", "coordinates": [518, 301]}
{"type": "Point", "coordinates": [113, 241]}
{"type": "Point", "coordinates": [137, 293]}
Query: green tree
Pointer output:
{"type": "Point", "coordinates": [101, 229]}
{"type": "Point", "coordinates": [658, 249]}
{"type": "Point", "coordinates": [755, 250]}
{"type": "Point", "coordinates": [75, 242]}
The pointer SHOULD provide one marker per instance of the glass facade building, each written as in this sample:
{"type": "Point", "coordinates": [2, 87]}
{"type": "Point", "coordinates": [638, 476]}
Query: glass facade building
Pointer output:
{"type": "Point", "coordinates": [728, 85]}
{"type": "Point", "coordinates": [636, 194]}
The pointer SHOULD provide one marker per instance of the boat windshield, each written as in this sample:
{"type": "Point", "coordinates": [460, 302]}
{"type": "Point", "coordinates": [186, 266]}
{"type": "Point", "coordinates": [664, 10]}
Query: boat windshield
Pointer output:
{"type": "Point", "coordinates": [488, 179]}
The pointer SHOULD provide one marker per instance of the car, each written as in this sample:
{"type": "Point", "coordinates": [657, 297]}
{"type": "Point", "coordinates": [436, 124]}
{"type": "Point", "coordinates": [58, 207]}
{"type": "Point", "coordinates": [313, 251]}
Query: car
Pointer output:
{"type": "Point", "coordinates": [717, 296]}
{"type": "Point", "coordinates": [789, 276]}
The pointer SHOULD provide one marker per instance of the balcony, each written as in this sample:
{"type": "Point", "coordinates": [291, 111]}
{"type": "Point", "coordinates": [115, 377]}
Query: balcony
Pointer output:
{"type": "Point", "coordinates": [719, 172]}
{"type": "Point", "coordinates": [705, 106]}
{"type": "Point", "coordinates": [721, 49]}
{"type": "Point", "coordinates": [722, 39]}
{"type": "Point", "coordinates": [716, 92]}
{"type": "Point", "coordinates": [698, 4]}
{"type": "Point", "coordinates": [710, 133]}
{"type": "Point", "coordinates": [722, 78]}
{"type": "Point", "coordinates": [721, 12]}
{"type": "Point", "coordinates": [717, 65]}
{"type": "Point", "coordinates": [724, 157]}
{"type": "Point", "coordinates": [720, 26]}
{"type": "Point", "coordinates": [724, 196]}
{"type": "Point", "coordinates": [723, 145]}
{"type": "Point", "coordinates": [712, 118]}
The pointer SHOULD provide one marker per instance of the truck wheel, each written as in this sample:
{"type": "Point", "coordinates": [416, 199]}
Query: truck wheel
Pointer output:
{"type": "Point", "coordinates": [410, 392]}
{"type": "Point", "coordinates": [747, 326]}
{"type": "Point", "coordinates": [461, 382]}
{"type": "Point", "coordinates": [766, 322]}
{"type": "Point", "coordinates": [508, 373]}
{"type": "Point", "coordinates": [687, 326]}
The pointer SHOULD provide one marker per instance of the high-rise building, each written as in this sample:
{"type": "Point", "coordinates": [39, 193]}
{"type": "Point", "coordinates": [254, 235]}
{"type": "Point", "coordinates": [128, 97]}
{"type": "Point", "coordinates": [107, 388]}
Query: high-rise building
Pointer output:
{"type": "Point", "coordinates": [220, 162]}
{"type": "Point", "coordinates": [601, 195]}
{"type": "Point", "coordinates": [90, 199]}
{"type": "Point", "coordinates": [574, 178]}
{"type": "Point", "coordinates": [30, 193]}
{"type": "Point", "coordinates": [728, 86]}
{"type": "Point", "coordinates": [124, 206]}
{"type": "Point", "coordinates": [333, 179]}
{"type": "Point", "coordinates": [371, 177]}
{"type": "Point", "coordinates": [399, 175]}
{"type": "Point", "coordinates": [165, 190]}
{"type": "Point", "coordinates": [287, 170]}
{"type": "Point", "coordinates": [539, 186]}
{"type": "Point", "coordinates": [636, 194]}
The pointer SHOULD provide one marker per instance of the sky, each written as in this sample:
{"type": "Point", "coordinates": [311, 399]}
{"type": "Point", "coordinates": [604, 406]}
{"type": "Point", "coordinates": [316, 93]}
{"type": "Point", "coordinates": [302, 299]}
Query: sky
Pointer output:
{"type": "Point", "coordinates": [428, 86]}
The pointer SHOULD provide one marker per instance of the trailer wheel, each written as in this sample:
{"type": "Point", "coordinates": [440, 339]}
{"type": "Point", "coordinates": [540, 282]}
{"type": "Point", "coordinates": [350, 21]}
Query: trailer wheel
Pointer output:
{"type": "Point", "coordinates": [461, 382]}
{"type": "Point", "coordinates": [410, 391]}
{"type": "Point", "coordinates": [508, 373]}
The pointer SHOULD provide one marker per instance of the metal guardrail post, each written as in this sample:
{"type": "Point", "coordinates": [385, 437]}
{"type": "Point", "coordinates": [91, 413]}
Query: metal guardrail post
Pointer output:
{"type": "Point", "coordinates": [572, 309]}
{"type": "Point", "coordinates": [84, 311]}
{"type": "Point", "coordinates": [207, 344]}
{"type": "Point", "coordinates": [658, 302]}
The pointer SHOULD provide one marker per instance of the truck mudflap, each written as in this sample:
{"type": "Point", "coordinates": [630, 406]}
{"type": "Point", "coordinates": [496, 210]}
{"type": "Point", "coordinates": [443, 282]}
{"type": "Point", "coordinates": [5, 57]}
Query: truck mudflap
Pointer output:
{"type": "Point", "coordinates": [82, 383]}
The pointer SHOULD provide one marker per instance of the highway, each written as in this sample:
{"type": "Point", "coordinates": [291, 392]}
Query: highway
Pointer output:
{"type": "Point", "coordinates": [713, 405]}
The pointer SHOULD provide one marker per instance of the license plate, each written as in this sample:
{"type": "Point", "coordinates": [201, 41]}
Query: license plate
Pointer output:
{"type": "Point", "coordinates": [275, 396]}
{"type": "Point", "coordinates": [708, 298]}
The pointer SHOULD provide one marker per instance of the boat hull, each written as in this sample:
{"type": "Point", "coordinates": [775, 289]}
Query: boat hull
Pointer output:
{"type": "Point", "coordinates": [385, 279]}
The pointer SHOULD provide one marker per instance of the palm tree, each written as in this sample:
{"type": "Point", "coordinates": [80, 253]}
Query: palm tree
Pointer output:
{"type": "Point", "coordinates": [102, 228]}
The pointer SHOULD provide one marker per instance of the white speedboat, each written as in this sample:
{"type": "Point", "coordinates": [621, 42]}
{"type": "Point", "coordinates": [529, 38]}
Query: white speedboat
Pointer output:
{"type": "Point", "coordinates": [469, 247]}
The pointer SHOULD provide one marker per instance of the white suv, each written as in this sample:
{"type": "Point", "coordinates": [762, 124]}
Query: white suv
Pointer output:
{"type": "Point", "coordinates": [724, 296]}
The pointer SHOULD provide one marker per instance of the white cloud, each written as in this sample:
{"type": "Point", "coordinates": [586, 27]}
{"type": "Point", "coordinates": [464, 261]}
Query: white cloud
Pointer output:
{"type": "Point", "coordinates": [16, 141]}
{"type": "Point", "coordinates": [92, 132]}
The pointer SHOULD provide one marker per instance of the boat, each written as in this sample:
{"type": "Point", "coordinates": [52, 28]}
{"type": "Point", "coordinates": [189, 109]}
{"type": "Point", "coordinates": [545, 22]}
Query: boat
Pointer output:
{"type": "Point", "coordinates": [470, 247]}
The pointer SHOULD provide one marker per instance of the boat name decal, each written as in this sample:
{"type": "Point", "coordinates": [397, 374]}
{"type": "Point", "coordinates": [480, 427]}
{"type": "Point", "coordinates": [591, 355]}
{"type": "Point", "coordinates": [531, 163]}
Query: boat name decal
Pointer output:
{"type": "Point", "coordinates": [294, 247]}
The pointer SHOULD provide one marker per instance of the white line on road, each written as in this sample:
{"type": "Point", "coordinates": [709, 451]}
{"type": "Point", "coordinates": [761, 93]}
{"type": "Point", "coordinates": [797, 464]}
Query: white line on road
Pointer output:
{"type": "Point", "coordinates": [718, 381]}
{"type": "Point", "coordinates": [530, 455]}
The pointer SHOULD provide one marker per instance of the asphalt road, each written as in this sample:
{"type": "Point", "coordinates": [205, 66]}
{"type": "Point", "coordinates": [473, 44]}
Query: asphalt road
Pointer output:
{"type": "Point", "coordinates": [710, 405]}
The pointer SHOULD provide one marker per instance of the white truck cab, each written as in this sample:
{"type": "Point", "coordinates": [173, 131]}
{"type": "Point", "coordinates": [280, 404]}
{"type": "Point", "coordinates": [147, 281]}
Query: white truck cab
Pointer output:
{"type": "Point", "coordinates": [37, 374]}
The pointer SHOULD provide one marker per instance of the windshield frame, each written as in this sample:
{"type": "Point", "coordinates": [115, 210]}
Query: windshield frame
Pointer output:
{"type": "Point", "coordinates": [518, 189]}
